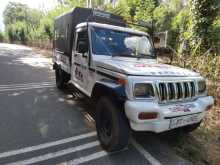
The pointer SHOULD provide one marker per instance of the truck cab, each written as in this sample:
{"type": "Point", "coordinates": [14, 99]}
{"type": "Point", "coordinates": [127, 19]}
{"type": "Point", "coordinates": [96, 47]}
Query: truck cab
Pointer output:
{"type": "Point", "coordinates": [116, 66]}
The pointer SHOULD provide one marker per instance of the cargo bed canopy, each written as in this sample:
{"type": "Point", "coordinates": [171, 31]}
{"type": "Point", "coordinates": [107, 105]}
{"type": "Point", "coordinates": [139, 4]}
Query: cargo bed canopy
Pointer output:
{"type": "Point", "coordinates": [64, 27]}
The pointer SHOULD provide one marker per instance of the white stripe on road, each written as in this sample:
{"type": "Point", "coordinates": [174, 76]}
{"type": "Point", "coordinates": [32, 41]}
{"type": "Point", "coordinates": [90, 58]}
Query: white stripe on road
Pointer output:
{"type": "Point", "coordinates": [27, 88]}
{"type": "Point", "coordinates": [146, 154]}
{"type": "Point", "coordinates": [55, 154]}
{"type": "Point", "coordinates": [46, 145]}
{"type": "Point", "coordinates": [25, 84]}
{"type": "Point", "coordinates": [101, 154]}
{"type": "Point", "coordinates": [85, 159]}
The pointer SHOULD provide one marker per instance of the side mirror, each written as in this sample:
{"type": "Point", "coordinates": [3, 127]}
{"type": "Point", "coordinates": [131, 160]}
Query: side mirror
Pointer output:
{"type": "Point", "coordinates": [83, 47]}
{"type": "Point", "coordinates": [160, 40]}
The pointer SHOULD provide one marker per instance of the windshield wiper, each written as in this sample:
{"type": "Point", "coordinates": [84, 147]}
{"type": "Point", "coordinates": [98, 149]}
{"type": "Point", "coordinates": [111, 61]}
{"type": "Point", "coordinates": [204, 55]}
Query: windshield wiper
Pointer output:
{"type": "Point", "coordinates": [121, 55]}
{"type": "Point", "coordinates": [141, 55]}
{"type": "Point", "coordinates": [133, 56]}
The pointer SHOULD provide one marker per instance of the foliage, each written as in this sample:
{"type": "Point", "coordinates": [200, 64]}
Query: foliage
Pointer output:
{"type": "Point", "coordinates": [121, 9]}
{"type": "Point", "coordinates": [215, 35]}
{"type": "Point", "coordinates": [162, 16]}
{"type": "Point", "coordinates": [203, 13]}
{"type": "Point", "coordinates": [74, 3]}
{"type": "Point", "coordinates": [19, 12]}
{"type": "Point", "coordinates": [14, 12]}
{"type": "Point", "coordinates": [170, 17]}
{"type": "Point", "coordinates": [144, 9]}
{"type": "Point", "coordinates": [19, 20]}
{"type": "Point", "coordinates": [17, 31]}
{"type": "Point", "coordinates": [1, 36]}
{"type": "Point", "coordinates": [45, 30]}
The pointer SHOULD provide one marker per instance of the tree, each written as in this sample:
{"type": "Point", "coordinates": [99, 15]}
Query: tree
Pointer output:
{"type": "Point", "coordinates": [20, 12]}
{"type": "Point", "coordinates": [17, 32]}
{"type": "Point", "coordinates": [121, 8]}
{"type": "Point", "coordinates": [46, 27]}
{"type": "Point", "coordinates": [20, 20]}
{"type": "Point", "coordinates": [15, 12]}
{"type": "Point", "coordinates": [215, 35]}
{"type": "Point", "coordinates": [162, 17]}
{"type": "Point", "coordinates": [1, 36]}
{"type": "Point", "coordinates": [74, 3]}
{"type": "Point", "coordinates": [203, 13]}
{"type": "Point", "coordinates": [145, 8]}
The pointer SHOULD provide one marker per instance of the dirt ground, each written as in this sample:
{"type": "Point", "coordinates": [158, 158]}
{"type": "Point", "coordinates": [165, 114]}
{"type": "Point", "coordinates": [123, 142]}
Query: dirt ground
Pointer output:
{"type": "Point", "coordinates": [46, 53]}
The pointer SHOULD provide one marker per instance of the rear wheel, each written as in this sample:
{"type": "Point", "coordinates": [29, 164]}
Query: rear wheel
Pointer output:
{"type": "Point", "coordinates": [61, 78]}
{"type": "Point", "coordinates": [112, 125]}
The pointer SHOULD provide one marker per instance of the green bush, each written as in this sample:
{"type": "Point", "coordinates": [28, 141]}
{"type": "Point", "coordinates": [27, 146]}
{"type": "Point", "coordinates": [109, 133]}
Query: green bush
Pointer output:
{"type": "Point", "coordinates": [215, 35]}
{"type": "Point", "coordinates": [19, 21]}
{"type": "Point", "coordinates": [17, 31]}
{"type": "Point", "coordinates": [1, 36]}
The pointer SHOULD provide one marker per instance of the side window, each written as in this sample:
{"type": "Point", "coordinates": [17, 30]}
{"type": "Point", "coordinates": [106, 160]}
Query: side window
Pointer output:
{"type": "Point", "coordinates": [82, 42]}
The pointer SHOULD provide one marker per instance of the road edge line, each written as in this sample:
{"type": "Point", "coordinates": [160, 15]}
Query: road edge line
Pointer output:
{"type": "Point", "coordinates": [145, 153]}
{"type": "Point", "coordinates": [46, 145]}
{"type": "Point", "coordinates": [85, 159]}
{"type": "Point", "coordinates": [56, 154]}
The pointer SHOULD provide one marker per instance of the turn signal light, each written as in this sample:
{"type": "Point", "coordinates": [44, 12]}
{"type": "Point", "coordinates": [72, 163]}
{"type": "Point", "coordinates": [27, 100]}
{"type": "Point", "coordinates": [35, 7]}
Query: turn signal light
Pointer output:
{"type": "Point", "coordinates": [122, 81]}
{"type": "Point", "coordinates": [147, 115]}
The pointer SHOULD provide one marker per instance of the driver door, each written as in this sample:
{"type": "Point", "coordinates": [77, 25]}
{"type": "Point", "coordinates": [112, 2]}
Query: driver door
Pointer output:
{"type": "Point", "coordinates": [81, 61]}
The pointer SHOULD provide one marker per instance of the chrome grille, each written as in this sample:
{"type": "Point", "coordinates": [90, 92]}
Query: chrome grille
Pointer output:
{"type": "Point", "coordinates": [174, 91]}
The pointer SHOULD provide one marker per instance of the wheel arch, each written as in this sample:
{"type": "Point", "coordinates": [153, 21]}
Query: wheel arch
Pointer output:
{"type": "Point", "coordinates": [109, 89]}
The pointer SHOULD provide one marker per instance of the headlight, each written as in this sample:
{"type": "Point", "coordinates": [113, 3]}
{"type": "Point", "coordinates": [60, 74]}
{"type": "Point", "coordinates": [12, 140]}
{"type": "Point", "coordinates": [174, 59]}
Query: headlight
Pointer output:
{"type": "Point", "coordinates": [201, 86]}
{"type": "Point", "coordinates": [143, 90]}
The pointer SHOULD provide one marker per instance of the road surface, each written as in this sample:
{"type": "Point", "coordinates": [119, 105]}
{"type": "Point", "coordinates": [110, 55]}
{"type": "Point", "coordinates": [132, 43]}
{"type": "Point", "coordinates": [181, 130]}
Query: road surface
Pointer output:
{"type": "Point", "coordinates": [42, 125]}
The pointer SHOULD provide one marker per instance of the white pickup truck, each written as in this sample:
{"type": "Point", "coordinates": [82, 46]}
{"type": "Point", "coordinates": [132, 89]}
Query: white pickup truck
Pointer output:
{"type": "Point", "coordinates": [116, 66]}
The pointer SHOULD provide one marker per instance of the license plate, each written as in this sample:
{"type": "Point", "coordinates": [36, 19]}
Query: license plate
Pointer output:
{"type": "Point", "coordinates": [184, 120]}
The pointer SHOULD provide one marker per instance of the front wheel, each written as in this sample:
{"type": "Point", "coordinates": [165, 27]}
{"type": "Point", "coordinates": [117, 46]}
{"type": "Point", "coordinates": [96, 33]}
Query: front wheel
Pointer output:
{"type": "Point", "coordinates": [190, 128]}
{"type": "Point", "coordinates": [112, 125]}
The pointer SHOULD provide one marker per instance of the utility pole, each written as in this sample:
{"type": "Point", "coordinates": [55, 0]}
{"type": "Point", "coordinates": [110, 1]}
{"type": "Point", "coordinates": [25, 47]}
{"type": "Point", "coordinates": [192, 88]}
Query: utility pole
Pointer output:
{"type": "Point", "coordinates": [89, 3]}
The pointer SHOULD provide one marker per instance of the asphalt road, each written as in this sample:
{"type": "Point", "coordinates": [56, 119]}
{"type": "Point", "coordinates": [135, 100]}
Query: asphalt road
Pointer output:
{"type": "Point", "coordinates": [42, 125]}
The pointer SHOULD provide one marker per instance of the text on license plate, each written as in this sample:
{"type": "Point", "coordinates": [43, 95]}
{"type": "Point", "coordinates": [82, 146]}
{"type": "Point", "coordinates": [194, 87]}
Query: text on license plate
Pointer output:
{"type": "Point", "coordinates": [184, 120]}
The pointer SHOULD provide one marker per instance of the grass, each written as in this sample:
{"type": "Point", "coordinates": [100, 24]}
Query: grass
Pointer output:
{"type": "Point", "coordinates": [203, 145]}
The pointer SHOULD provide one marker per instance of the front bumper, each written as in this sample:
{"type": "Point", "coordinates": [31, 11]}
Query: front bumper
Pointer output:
{"type": "Point", "coordinates": [165, 112]}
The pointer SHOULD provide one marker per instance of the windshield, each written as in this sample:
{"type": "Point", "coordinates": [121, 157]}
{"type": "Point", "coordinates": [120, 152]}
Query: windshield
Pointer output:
{"type": "Point", "coordinates": [118, 43]}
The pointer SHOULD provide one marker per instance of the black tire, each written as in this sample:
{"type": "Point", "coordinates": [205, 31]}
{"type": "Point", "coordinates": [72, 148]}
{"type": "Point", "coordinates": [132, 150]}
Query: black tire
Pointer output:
{"type": "Point", "coordinates": [112, 125]}
{"type": "Point", "coordinates": [190, 128]}
{"type": "Point", "coordinates": [59, 78]}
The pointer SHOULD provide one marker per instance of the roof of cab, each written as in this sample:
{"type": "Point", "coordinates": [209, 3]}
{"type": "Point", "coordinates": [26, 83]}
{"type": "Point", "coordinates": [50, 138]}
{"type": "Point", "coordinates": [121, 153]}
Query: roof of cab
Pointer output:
{"type": "Point", "coordinates": [107, 26]}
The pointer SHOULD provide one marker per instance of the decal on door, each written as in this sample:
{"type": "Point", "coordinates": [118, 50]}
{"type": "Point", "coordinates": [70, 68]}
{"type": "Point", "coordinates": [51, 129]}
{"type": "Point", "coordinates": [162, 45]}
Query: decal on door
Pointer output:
{"type": "Point", "coordinates": [78, 74]}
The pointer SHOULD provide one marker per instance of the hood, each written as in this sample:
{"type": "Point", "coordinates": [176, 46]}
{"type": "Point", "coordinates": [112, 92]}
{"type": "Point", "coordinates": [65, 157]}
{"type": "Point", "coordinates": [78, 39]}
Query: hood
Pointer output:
{"type": "Point", "coordinates": [144, 68]}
